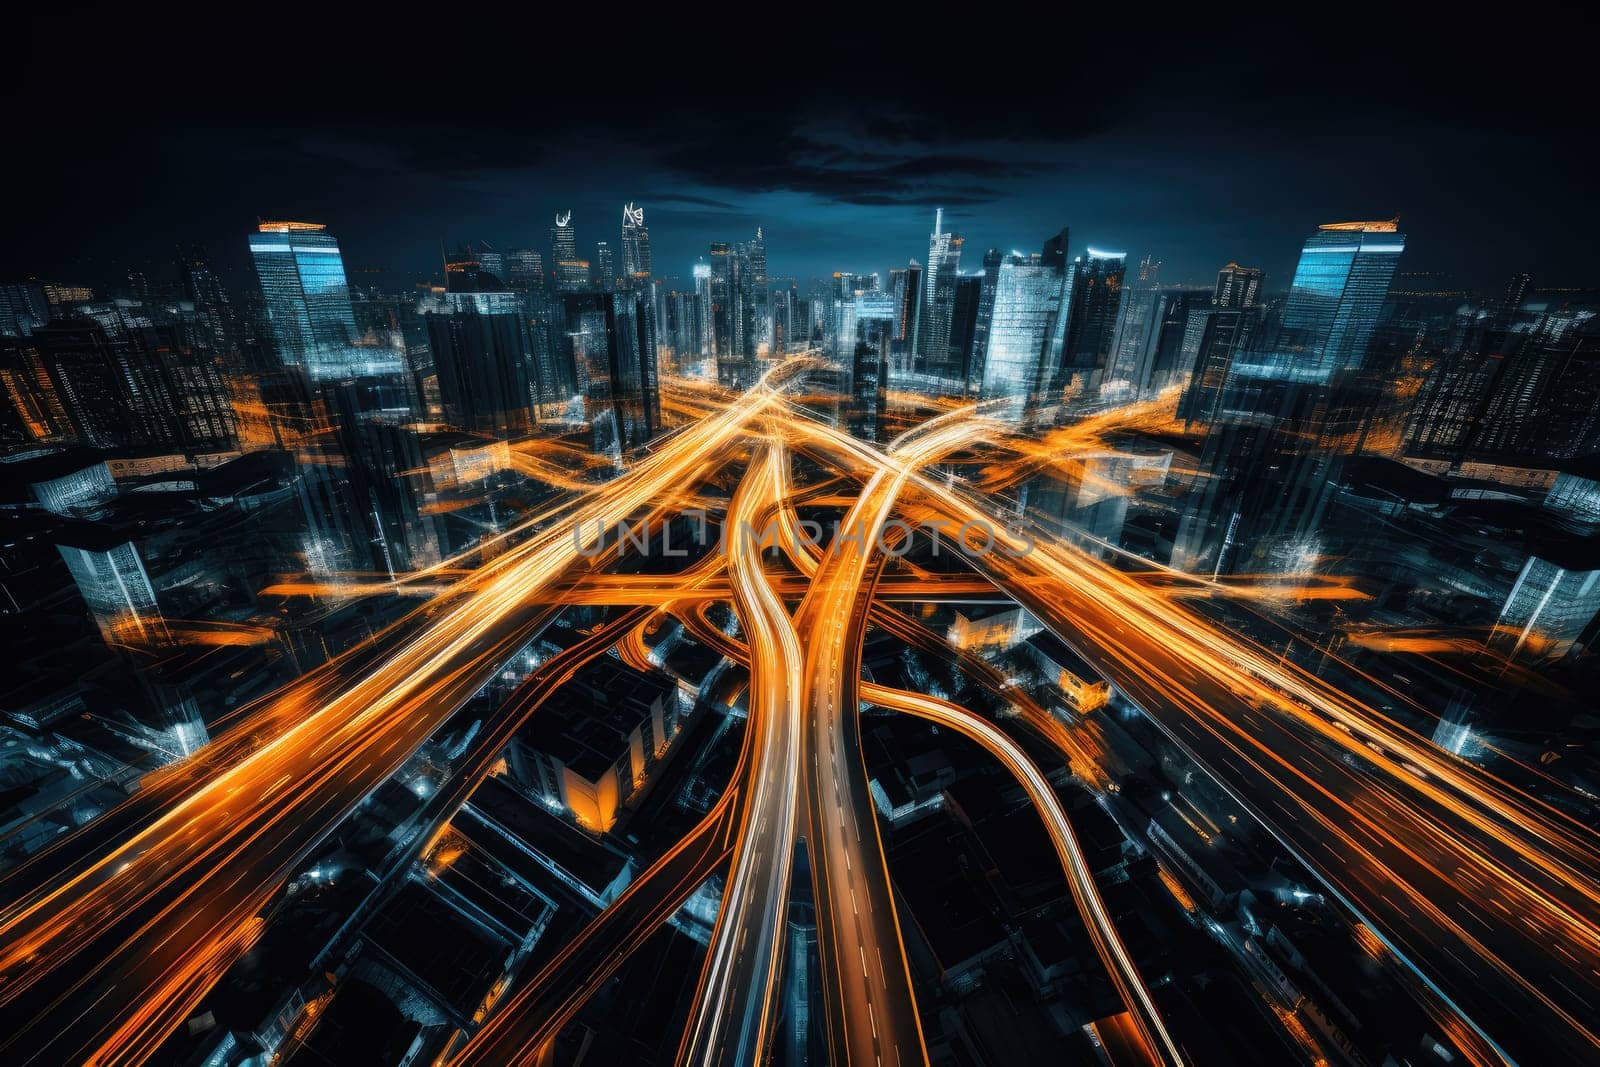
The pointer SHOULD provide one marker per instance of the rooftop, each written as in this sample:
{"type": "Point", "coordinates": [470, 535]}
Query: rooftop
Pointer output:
{"type": "Point", "coordinates": [1379, 226]}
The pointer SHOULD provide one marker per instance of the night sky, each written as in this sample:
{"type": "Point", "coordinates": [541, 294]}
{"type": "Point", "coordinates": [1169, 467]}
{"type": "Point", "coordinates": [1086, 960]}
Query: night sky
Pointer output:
{"type": "Point", "coordinates": [1143, 132]}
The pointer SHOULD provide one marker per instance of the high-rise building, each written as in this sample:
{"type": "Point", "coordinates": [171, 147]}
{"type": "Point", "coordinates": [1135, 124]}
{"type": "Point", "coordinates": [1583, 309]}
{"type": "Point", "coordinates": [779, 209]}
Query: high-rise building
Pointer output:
{"type": "Point", "coordinates": [491, 261]}
{"type": "Point", "coordinates": [1545, 399]}
{"type": "Point", "coordinates": [738, 308]}
{"type": "Point", "coordinates": [1237, 287]}
{"type": "Point", "coordinates": [1334, 302]}
{"type": "Point", "coordinates": [905, 285]}
{"type": "Point", "coordinates": [483, 355]}
{"type": "Point", "coordinates": [306, 300]}
{"type": "Point", "coordinates": [613, 339]}
{"type": "Point", "coordinates": [871, 328]}
{"type": "Point", "coordinates": [1095, 282]}
{"type": "Point", "coordinates": [572, 273]}
{"type": "Point", "coordinates": [705, 297]}
{"type": "Point", "coordinates": [36, 412]}
{"type": "Point", "coordinates": [932, 337]}
{"type": "Point", "coordinates": [85, 369]}
{"type": "Point", "coordinates": [563, 238]}
{"type": "Point", "coordinates": [525, 271]}
{"type": "Point", "coordinates": [756, 295]}
{"type": "Point", "coordinates": [1511, 302]}
{"type": "Point", "coordinates": [1212, 337]}
{"type": "Point", "coordinates": [1027, 298]}
{"type": "Point", "coordinates": [114, 584]}
{"type": "Point", "coordinates": [605, 266]}
{"type": "Point", "coordinates": [1548, 610]}
{"type": "Point", "coordinates": [23, 307]}
{"type": "Point", "coordinates": [1058, 250]}
{"type": "Point", "coordinates": [980, 328]}
{"type": "Point", "coordinates": [636, 264]}
{"type": "Point", "coordinates": [963, 330]}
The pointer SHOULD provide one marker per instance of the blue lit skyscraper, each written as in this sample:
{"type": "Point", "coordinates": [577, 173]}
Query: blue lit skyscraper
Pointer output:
{"type": "Point", "coordinates": [1027, 296]}
{"type": "Point", "coordinates": [1338, 292]}
{"type": "Point", "coordinates": [307, 301]}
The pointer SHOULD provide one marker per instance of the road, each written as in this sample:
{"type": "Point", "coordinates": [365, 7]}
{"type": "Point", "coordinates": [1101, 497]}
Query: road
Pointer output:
{"type": "Point", "coordinates": [1490, 897]}
{"type": "Point", "coordinates": [734, 1011]}
{"type": "Point", "coordinates": [107, 958]}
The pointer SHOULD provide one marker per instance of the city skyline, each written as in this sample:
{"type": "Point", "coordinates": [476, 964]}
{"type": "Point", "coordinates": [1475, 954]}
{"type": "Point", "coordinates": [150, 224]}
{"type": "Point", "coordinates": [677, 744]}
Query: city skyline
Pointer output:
{"type": "Point", "coordinates": [1194, 150]}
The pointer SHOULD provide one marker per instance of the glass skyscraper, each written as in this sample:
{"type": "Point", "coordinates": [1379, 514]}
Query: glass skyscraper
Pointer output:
{"type": "Point", "coordinates": [1338, 292]}
{"type": "Point", "coordinates": [938, 298]}
{"type": "Point", "coordinates": [307, 302]}
{"type": "Point", "coordinates": [636, 263]}
{"type": "Point", "coordinates": [1027, 296]}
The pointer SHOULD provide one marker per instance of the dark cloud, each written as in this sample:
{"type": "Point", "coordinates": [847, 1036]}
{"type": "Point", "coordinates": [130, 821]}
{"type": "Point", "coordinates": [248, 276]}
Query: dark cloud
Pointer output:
{"type": "Point", "coordinates": [1205, 142]}
{"type": "Point", "coordinates": [692, 201]}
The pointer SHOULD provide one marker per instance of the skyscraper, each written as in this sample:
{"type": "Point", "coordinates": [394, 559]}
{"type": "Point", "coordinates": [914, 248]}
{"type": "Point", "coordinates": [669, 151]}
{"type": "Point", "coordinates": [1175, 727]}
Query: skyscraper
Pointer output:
{"type": "Point", "coordinates": [635, 245]}
{"type": "Point", "coordinates": [22, 307]}
{"type": "Point", "coordinates": [905, 285]}
{"type": "Point", "coordinates": [1095, 297]}
{"type": "Point", "coordinates": [85, 369]}
{"type": "Point", "coordinates": [1237, 287]}
{"type": "Point", "coordinates": [757, 296]}
{"type": "Point", "coordinates": [1338, 291]}
{"type": "Point", "coordinates": [563, 238]}
{"type": "Point", "coordinates": [36, 411]}
{"type": "Point", "coordinates": [605, 266]}
{"type": "Point", "coordinates": [938, 297]}
{"type": "Point", "coordinates": [980, 327]}
{"type": "Point", "coordinates": [307, 301]}
{"type": "Point", "coordinates": [1027, 297]}
{"type": "Point", "coordinates": [1548, 610]}
{"type": "Point", "coordinates": [704, 296]}
{"type": "Point", "coordinates": [483, 355]}
{"type": "Point", "coordinates": [113, 582]}
{"type": "Point", "coordinates": [613, 338]}
{"type": "Point", "coordinates": [572, 273]}
{"type": "Point", "coordinates": [872, 329]}
{"type": "Point", "coordinates": [218, 328]}
{"type": "Point", "coordinates": [1212, 336]}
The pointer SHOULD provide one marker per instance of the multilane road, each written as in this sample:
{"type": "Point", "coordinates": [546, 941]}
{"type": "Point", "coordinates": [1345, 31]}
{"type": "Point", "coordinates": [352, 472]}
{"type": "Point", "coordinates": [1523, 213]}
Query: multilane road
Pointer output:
{"type": "Point", "coordinates": [109, 939]}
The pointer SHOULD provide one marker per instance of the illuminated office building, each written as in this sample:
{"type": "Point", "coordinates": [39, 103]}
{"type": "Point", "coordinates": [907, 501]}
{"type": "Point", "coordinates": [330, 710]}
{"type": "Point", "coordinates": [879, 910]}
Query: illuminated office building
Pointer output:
{"type": "Point", "coordinates": [905, 285]}
{"type": "Point", "coordinates": [932, 339]}
{"type": "Point", "coordinates": [525, 271]}
{"type": "Point", "coordinates": [1548, 610]}
{"type": "Point", "coordinates": [963, 331]}
{"type": "Point", "coordinates": [306, 301]}
{"type": "Point", "coordinates": [1237, 287]}
{"type": "Point", "coordinates": [980, 325]}
{"type": "Point", "coordinates": [22, 308]}
{"type": "Point", "coordinates": [636, 263]}
{"type": "Point", "coordinates": [623, 392]}
{"type": "Point", "coordinates": [114, 584]}
{"type": "Point", "coordinates": [1212, 337]}
{"type": "Point", "coordinates": [483, 355]}
{"type": "Point", "coordinates": [563, 238]}
{"type": "Point", "coordinates": [572, 273]}
{"type": "Point", "coordinates": [1334, 302]}
{"type": "Point", "coordinates": [85, 369]}
{"type": "Point", "coordinates": [1027, 297]}
{"type": "Point", "coordinates": [871, 325]}
{"type": "Point", "coordinates": [36, 412]}
{"type": "Point", "coordinates": [1095, 282]}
